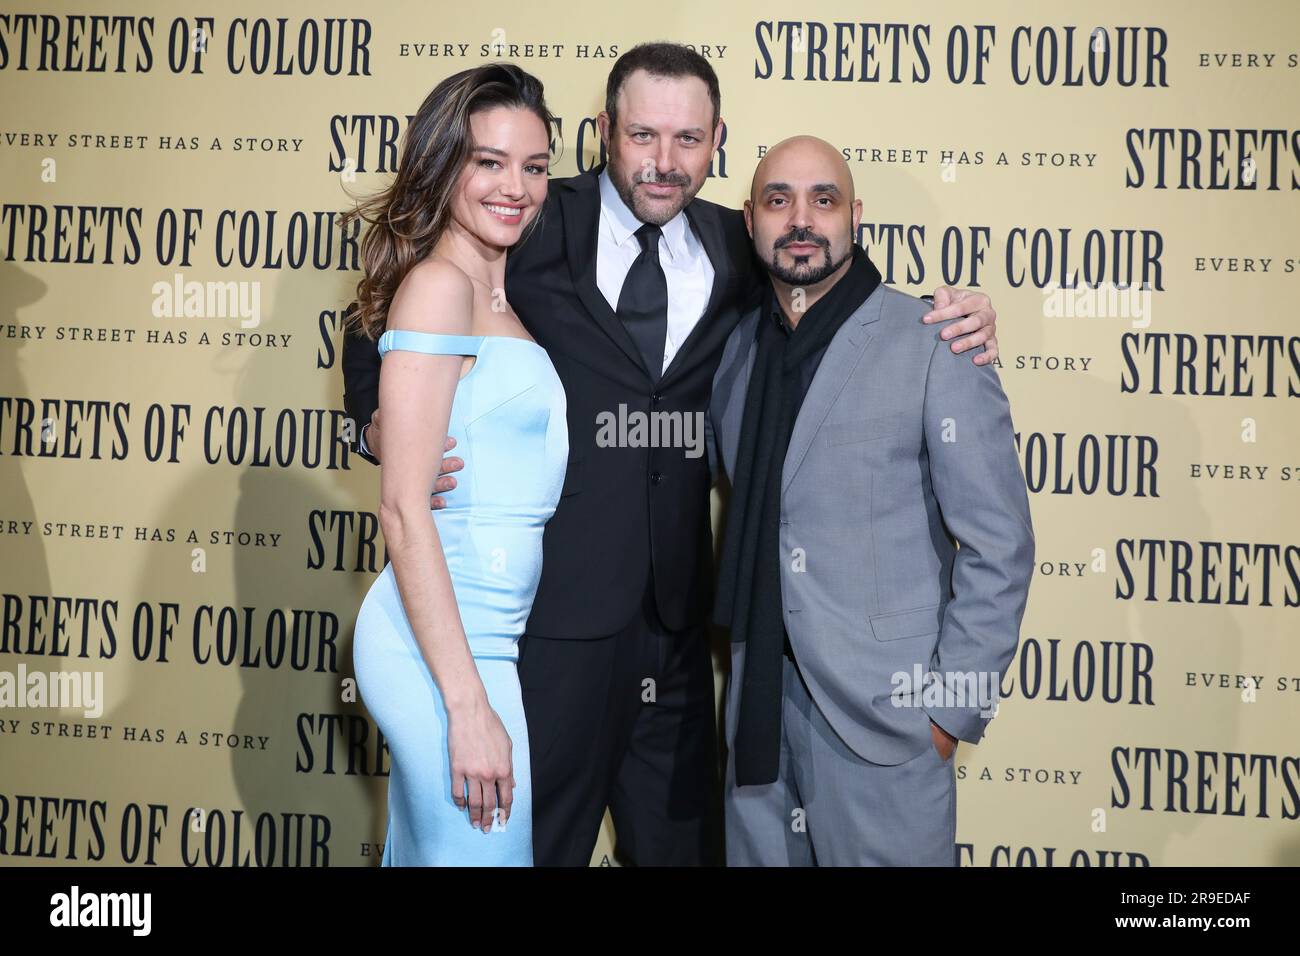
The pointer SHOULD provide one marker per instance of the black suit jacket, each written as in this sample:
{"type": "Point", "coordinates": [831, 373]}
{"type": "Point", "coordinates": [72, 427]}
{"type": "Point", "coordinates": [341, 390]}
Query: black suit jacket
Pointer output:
{"type": "Point", "coordinates": [623, 511]}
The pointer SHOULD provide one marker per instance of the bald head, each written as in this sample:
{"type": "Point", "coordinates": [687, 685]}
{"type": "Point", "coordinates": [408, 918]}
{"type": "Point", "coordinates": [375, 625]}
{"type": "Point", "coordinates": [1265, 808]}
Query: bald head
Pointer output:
{"type": "Point", "coordinates": [802, 212]}
{"type": "Point", "coordinates": [807, 159]}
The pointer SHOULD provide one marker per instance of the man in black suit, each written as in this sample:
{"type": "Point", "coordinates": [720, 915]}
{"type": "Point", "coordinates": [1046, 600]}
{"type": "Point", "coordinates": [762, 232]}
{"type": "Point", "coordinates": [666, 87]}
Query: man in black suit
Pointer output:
{"type": "Point", "coordinates": [632, 285]}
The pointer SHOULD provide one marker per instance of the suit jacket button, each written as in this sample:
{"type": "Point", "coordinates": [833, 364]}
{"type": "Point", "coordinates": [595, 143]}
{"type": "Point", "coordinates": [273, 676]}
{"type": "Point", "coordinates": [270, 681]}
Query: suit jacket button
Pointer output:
{"type": "Point", "coordinates": [656, 477]}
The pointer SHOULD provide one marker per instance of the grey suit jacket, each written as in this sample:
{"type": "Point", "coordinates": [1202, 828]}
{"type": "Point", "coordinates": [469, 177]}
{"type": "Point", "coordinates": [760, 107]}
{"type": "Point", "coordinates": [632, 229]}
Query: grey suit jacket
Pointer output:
{"type": "Point", "coordinates": [902, 451]}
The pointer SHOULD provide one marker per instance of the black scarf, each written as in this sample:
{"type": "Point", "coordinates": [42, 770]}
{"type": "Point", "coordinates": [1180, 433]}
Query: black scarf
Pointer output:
{"type": "Point", "coordinates": [749, 584]}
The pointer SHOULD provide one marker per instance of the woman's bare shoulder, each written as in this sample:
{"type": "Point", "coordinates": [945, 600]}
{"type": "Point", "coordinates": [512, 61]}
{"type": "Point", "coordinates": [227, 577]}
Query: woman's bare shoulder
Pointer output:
{"type": "Point", "coordinates": [434, 296]}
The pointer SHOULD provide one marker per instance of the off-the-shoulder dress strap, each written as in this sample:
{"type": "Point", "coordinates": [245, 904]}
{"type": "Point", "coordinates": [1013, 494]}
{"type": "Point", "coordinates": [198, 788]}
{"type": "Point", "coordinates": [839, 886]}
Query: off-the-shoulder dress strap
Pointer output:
{"type": "Point", "coordinates": [431, 343]}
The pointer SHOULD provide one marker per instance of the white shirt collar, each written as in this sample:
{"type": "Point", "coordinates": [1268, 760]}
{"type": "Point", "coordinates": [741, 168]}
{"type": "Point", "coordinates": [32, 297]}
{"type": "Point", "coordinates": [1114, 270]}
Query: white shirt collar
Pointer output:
{"type": "Point", "coordinates": [623, 223]}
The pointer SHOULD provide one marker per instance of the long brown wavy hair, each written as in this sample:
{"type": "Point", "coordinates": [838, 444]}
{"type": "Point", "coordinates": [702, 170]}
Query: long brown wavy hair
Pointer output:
{"type": "Point", "coordinates": [407, 219]}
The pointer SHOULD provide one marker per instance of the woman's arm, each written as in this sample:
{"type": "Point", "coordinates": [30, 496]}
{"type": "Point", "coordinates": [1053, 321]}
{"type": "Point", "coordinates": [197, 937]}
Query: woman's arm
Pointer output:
{"type": "Point", "coordinates": [416, 392]}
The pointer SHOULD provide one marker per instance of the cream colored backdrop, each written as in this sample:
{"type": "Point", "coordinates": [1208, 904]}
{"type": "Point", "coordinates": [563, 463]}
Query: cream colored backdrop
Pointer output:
{"type": "Point", "coordinates": [173, 490]}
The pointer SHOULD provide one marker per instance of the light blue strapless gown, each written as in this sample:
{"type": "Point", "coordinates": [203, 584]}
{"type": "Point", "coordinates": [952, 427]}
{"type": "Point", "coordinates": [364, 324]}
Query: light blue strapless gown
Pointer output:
{"type": "Point", "coordinates": [508, 419]}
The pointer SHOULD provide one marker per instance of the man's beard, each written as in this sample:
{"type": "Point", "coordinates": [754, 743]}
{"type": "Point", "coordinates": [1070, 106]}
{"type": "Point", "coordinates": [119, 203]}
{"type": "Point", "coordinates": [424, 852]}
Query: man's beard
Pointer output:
{"type": "Point", "coordinates": [810, 272]}
{"type": "Point", "coordinates": [654, 213]}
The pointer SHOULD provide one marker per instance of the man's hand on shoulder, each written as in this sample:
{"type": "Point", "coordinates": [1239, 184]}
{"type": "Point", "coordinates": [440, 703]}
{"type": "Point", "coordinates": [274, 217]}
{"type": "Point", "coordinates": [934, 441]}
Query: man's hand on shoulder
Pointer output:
{"type": "Point", "coordinates": [977, 323]}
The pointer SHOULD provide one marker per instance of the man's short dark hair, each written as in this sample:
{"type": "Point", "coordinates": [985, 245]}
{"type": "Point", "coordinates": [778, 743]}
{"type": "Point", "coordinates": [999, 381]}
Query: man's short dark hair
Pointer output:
{"type": "Point", "coordinates": [660, 59]}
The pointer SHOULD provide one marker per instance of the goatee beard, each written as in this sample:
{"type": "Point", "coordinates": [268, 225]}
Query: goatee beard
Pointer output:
{"type": "Point", "coordinates": [655, 215]}
{"type": "Point", "coordinates": [807, 274]}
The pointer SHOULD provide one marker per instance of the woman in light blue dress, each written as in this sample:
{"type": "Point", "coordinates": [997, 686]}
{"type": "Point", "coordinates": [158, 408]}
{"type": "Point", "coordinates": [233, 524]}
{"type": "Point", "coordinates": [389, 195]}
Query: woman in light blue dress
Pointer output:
{"type": "Point", "coordinates": [435, 640]}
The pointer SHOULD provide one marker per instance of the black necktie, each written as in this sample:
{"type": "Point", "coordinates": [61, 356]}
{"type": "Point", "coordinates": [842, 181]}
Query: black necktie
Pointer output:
{"type": "Point", "coordinates": [643, 301]}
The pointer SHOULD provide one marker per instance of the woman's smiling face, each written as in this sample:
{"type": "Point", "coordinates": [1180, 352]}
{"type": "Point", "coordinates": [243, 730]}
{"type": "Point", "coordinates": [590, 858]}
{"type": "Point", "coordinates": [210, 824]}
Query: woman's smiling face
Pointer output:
{"type": "Point", "coordinates": [503, 186]}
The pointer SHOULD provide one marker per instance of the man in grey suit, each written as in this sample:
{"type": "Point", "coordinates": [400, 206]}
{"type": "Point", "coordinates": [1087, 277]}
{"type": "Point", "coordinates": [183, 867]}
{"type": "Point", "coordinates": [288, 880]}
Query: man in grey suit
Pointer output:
{"type": "Point", "coordinates": [878, 547]}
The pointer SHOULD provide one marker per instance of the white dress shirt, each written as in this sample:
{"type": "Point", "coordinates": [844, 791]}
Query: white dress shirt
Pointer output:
{"type": "Point", "coordinates": [685, 263]}
{"type": "Point", "coordinates": [686, 267]}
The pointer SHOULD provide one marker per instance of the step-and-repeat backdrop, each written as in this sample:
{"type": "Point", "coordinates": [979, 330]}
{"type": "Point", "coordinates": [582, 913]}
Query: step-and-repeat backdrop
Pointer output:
{"type": "Point", "coordinates": [186, 536]}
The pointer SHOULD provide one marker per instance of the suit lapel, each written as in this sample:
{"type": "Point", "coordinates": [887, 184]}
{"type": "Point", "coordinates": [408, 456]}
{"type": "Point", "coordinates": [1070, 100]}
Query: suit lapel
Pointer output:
{"type": "Point", "coordinates": [731, 389]}
{"type": "Point", "coordinates": [704, 221]}
{"type": "Point", "coordinates": [842, 356]}
{"type": "Point", "coordinates": [581, 205]}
